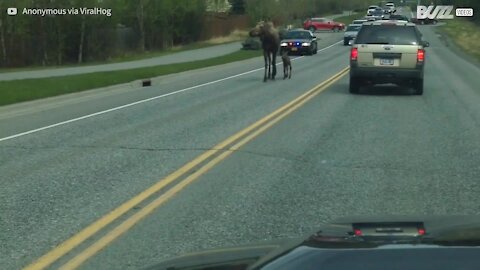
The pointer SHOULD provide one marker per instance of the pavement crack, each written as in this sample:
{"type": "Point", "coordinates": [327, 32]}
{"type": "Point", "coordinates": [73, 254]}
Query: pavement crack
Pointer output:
{"type": "Point", "coordinates": [259, 154]}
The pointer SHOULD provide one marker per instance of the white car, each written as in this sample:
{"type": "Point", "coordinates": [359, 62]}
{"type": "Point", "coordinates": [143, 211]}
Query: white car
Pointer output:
{"type": "Point", "coordinates": [376, 14]}
{"type": "Point", "coordinates": [390, 7]}
{"type": "Point", "coordinates": [371, 9]}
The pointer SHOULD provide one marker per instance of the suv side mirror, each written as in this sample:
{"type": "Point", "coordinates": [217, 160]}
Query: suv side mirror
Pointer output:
{"type": "Point", "coordinates": [426, 44]}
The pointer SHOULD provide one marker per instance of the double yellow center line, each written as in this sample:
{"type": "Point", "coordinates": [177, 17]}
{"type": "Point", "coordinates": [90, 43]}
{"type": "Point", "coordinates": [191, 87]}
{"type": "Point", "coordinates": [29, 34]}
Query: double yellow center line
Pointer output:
{"type": "Point", "coordinates": [203, 163]}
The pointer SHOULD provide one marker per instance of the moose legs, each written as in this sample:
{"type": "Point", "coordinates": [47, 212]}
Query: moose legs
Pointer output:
{"type": "Point", "coordinates": [270, 65]}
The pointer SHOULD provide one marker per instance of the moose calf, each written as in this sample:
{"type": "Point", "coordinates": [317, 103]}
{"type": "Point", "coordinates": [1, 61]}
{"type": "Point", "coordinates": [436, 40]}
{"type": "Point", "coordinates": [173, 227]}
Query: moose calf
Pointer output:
{"type": "Point", "coordinates": [287, 65]}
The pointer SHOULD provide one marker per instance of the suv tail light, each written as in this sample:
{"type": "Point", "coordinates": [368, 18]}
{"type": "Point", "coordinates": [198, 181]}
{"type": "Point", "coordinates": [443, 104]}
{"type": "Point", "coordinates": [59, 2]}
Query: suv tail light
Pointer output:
{"type": "Point", "coordinates": [353, 54]}
{"type": "Point", "coordinates": [420, 55]}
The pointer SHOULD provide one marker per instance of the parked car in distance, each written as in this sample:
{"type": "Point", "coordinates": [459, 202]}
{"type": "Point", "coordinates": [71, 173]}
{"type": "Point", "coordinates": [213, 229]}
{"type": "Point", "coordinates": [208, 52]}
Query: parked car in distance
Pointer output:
{"type": "Point", "coordinates": [351, 33]}
{"type": "Point", "coordinates": [314, 24]}
{"type": "Point", "coordinates": [377, 14]}
{"type": "Point", "coordinates": [390, 7]}
{"type": "Point", "coordinates": [299, 41]}
{"type": "Point", "coordinates": [371, 9]}
{"type": "Point", "coordinates": [252, 43]}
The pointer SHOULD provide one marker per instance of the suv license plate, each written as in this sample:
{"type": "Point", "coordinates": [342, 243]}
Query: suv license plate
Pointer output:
{"type": "Point", "coordinates": [386, 62]}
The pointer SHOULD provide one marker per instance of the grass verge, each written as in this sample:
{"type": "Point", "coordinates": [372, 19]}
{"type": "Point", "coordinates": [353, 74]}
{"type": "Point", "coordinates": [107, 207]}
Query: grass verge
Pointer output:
{"type": "Point", "coordinates": [349, 18]}
{"type": "Point", "coordinates": [465, 34]}
{"type": "Point", "coordinates": [236, 35]}
{"type": "Point", "coordinates": [30, 89]}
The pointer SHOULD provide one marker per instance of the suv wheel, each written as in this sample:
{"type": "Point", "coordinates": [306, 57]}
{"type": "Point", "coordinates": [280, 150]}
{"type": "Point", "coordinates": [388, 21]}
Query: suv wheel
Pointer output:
{"type": "Point", "coordinates": [312, 29]}
{"type": "Point", "coordinates": [418, 86]}
{"type": "Point", "coordinates": [354, 85]}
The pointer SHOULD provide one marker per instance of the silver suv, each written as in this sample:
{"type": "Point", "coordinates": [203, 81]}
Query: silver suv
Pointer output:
{"type": "Point", "coordinates": [388, 52]}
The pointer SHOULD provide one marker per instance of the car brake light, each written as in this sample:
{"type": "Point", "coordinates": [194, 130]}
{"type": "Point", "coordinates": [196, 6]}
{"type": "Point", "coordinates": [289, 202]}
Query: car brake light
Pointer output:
{"type": "Point", "coordinates": [421, 231]}
{"type": "Point", "coordinates": [354, 54]}
{"type": "Point", "coordinates": [357, 232]}
{"type": "Point", "coordinates": [420, 55]}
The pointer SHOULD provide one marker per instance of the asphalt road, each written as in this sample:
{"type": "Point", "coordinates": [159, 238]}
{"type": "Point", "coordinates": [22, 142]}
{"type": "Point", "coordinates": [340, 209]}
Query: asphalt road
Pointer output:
{"type": "Point", "coordinates": [382, 152]}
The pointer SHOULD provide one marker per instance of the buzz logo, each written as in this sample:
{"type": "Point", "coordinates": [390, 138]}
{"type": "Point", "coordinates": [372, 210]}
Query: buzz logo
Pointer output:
{"type": "Point", "coordinates": [434, 12]}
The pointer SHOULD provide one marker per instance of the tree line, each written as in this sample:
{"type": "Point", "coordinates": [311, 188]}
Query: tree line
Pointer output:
{"type": "Point", "coordinates": [285, 10]}
{"type": "Point", "coordinates": [27, 40]}
{"type": "Point", "coordinates": [62, 39]}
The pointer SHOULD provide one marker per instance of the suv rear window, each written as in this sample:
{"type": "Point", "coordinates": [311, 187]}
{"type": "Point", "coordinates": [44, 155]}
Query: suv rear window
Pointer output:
{"type": "Point", "coordinates": [388, 34]}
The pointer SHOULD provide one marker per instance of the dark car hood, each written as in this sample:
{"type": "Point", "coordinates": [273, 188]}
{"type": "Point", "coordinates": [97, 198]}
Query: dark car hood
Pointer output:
{"type": "Point", "coordinates": [340, 234]}
{"type": "Point", "coordinates": [237, 257]}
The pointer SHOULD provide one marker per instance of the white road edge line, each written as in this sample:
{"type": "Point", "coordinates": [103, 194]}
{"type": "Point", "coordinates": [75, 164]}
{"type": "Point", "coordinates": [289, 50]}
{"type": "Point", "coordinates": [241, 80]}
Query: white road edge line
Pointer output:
{"type": "Point", "coordinates": [141, 101]}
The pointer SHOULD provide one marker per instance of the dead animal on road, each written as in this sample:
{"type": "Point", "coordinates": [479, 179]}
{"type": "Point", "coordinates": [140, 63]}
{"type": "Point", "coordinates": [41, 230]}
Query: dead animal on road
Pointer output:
{"type": "Point", "coordinates": [287, 65]}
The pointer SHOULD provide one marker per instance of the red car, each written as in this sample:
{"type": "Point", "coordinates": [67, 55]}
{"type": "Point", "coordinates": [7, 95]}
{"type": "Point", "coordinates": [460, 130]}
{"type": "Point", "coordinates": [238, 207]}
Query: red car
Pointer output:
{"type": "Point", "coordinates": [314, 24]}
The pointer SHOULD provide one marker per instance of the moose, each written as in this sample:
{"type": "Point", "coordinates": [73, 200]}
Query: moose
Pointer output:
{"type": "Point", "coordinates": [287, 65]}
{"type": "Point", "coordinates": [270, 44]}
